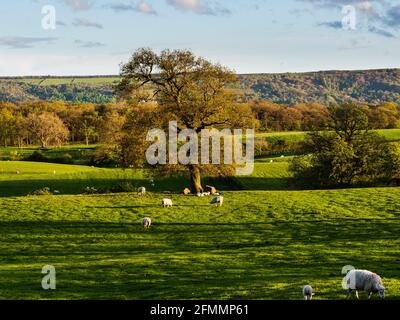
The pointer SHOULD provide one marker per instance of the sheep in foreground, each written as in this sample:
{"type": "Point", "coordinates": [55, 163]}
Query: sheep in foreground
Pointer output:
{"type": "Point", "coordinates": [364, 280]}
{"type": "Point", "coordinates": [218, 201]}
{"type": "Point", "coordinates": [146, 223]}
{"type": "Point", "coordinates": [308, 292]}
{"type": "Point", "coordinates": [166, 203]}
{"type": "Point", "coordinates": [141, 191]}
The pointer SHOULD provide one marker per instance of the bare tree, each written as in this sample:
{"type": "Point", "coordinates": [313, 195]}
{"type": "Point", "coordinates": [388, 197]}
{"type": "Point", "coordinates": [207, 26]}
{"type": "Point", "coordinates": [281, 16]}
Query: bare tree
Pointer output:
{"type": "Point", "coordinates": [48, 129]}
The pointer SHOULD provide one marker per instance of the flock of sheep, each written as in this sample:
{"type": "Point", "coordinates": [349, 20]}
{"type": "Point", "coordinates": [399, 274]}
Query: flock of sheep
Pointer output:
{"type": "Point", "coordinates": [218, 200]}
{"type": "Point", "coordinates": [355, 280]}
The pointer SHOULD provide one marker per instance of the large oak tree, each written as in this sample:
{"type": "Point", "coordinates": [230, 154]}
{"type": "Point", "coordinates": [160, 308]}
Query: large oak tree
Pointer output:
{"type": "Point", "coordinates": [184, 88]}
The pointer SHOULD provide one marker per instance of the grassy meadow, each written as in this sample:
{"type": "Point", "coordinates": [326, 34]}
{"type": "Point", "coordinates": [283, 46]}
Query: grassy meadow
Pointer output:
{"type": "Point", "coordinates": [260, 245]}
{"type": "Point", "coordinates": [266, 242]}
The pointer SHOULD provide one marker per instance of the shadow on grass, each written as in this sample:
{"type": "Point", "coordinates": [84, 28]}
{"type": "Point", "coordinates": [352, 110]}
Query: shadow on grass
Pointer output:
{"type": "Point", "coordinates": [262, 260]}
{"type": "Point", "coordinates": [21, 187]}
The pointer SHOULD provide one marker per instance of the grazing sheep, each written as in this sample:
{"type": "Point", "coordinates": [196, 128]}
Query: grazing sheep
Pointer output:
{"type": "Point", "coordinates": [56, 192]}
{"type": "Point", "coordinates": [308, 292]}
{"type": "Point", "coordinates": [146, 223]}
{"type": "Point", "coordinates": [218, 201]}
{"type": "Point", "coordinates": [211, 190]}
{"type": "Point", "coordinates": [166, 203]}
{"type": "Point", "coordinates": [186, 191]}
{"type": "Point", "coordinates": [141, 191]}
{"type": "Point", "coordinates": [364, 280]}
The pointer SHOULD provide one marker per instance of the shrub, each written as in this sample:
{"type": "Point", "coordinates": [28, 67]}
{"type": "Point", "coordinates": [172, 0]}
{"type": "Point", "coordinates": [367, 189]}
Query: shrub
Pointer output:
{"type": "Point", "coordinates": [90, 190]}
{"type": "Point", "coordinates": [42, 192]}
{"type": "Point", "coordinates": [15, 156]}
{"type": "Point", "coordinates": [122, 187]}
{"type": "Point", "coordinates": [103, 157]}
{"type": "Point", "coordinates": [37, 156]}
{"type": "Point", "coordinates": [66, 158]}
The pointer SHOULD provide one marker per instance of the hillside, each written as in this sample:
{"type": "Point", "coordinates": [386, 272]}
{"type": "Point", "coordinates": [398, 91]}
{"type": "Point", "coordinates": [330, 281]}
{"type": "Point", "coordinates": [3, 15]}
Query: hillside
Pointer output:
{"type": "Point", "coordinates": [327, 87]}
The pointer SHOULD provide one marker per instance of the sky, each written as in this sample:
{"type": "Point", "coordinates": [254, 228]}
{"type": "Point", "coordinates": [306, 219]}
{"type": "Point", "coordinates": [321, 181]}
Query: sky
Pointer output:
{"type": "Point", "coordinates": [93, 37]}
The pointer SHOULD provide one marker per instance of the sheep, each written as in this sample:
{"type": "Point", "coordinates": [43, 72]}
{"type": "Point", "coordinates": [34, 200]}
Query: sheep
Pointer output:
{"type": "Point", "coordinates": [211, 189]}
{"type": "Point", "coordinates": [146, 222]}
{"type": "Point", "coordinates": [141, 191]}
{"type": "Point", "coordinates": [166, 203]}
{"type": "Point", "coordinates": [218, 200]}
{"type": "Point", "coordinates": [56, 192]}
{"type": "Point", "coordinates": [308, 292]}
{"type": "Point", "coordinates": [364, 280]}
{"type": "Point", "coordinates": [186, 191]}
{"type": "Point", "coordinates": [199, 194]}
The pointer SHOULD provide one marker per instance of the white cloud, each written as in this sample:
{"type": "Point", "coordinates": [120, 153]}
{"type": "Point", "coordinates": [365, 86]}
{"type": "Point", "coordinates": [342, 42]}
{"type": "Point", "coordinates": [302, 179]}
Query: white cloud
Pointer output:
{"type": "Point", "coordinates": [198, 6]}
{"type": "Point", "coordinates": [79, 5]}
{"type": "Point", "coordinates": [145, 7]}
{"type": "Point", "coordinates": [82, 22]}
{"type": "Point", "coordinates": [89, 44]}
{"type": "Point", "coordinates": [24, 42]}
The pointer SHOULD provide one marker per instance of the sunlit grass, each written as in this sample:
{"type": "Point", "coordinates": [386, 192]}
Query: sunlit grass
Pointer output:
{"type": "Point", "coordinates": [259, 245]}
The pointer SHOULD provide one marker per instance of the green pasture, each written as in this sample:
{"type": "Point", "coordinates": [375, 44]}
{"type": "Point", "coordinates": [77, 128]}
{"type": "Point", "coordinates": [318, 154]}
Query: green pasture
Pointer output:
{"type": "Point", "coordinates": [265, 242]}
{"type": "Point", "coordinates": [259, 245]}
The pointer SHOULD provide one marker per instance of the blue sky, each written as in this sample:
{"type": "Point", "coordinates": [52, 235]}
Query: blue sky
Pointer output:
{"type": "Point", "coordinates": [249, 36]}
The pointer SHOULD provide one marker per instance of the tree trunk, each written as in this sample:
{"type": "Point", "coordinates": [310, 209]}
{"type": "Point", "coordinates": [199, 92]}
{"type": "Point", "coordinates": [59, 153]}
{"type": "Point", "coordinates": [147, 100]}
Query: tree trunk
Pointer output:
{"type": "Point", "coordinates": [195, 179]}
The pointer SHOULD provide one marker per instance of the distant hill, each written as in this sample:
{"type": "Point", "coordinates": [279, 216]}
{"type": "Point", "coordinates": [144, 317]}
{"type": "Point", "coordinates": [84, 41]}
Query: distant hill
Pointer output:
{"type": "Point", "coordinates": [326, 87]}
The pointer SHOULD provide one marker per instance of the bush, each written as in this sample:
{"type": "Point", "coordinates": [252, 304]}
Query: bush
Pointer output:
{"type": "Point", "coordinates": [66, 158]}
{"type": "Point", "coordinates": [42, 192]}
{"type": "Point", "coordinates": [122, 187]}
{"type": "Point", "coordinates": [90, 190]}
{"type": "Point", "coordinates": [103, 157]}
{"type": "Point", "coordinates": [37, 156]}
{"type": "Point", "coordinates": [15, 156]}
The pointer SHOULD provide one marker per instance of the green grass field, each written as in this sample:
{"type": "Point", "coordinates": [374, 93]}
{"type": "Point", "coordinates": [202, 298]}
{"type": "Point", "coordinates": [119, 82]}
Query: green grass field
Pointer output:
{"type": "Point", "coordinates": [260, 245]}
{"type": "Point", "coordinates": [295, 136]}
{"type": "Point", "coordinates": [266, 242]}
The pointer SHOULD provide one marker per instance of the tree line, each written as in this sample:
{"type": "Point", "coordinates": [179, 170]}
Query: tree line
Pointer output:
{"type": "Point", "coordinates": [56, 123]}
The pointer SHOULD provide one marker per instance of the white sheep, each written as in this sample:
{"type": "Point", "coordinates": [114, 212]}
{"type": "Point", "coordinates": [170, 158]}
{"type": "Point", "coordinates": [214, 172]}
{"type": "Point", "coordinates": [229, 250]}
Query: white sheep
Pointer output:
{"type": "Point", "coordinates": [364, 280]}
{"type": "Point", "coordinates": [56, 191]}
{"type": "Point", "coordinates": [166, 203]}
{"type": "Point", "coordinates": [146, 222]}
{"type": "Point", "coordinates": [141, 191]}
{"type": "Point", "coordinates": [218, 200]}
{"type": "Point", "coordinates": [308, 292]}
{"type": "Point", "coordinates": [203, 194]}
